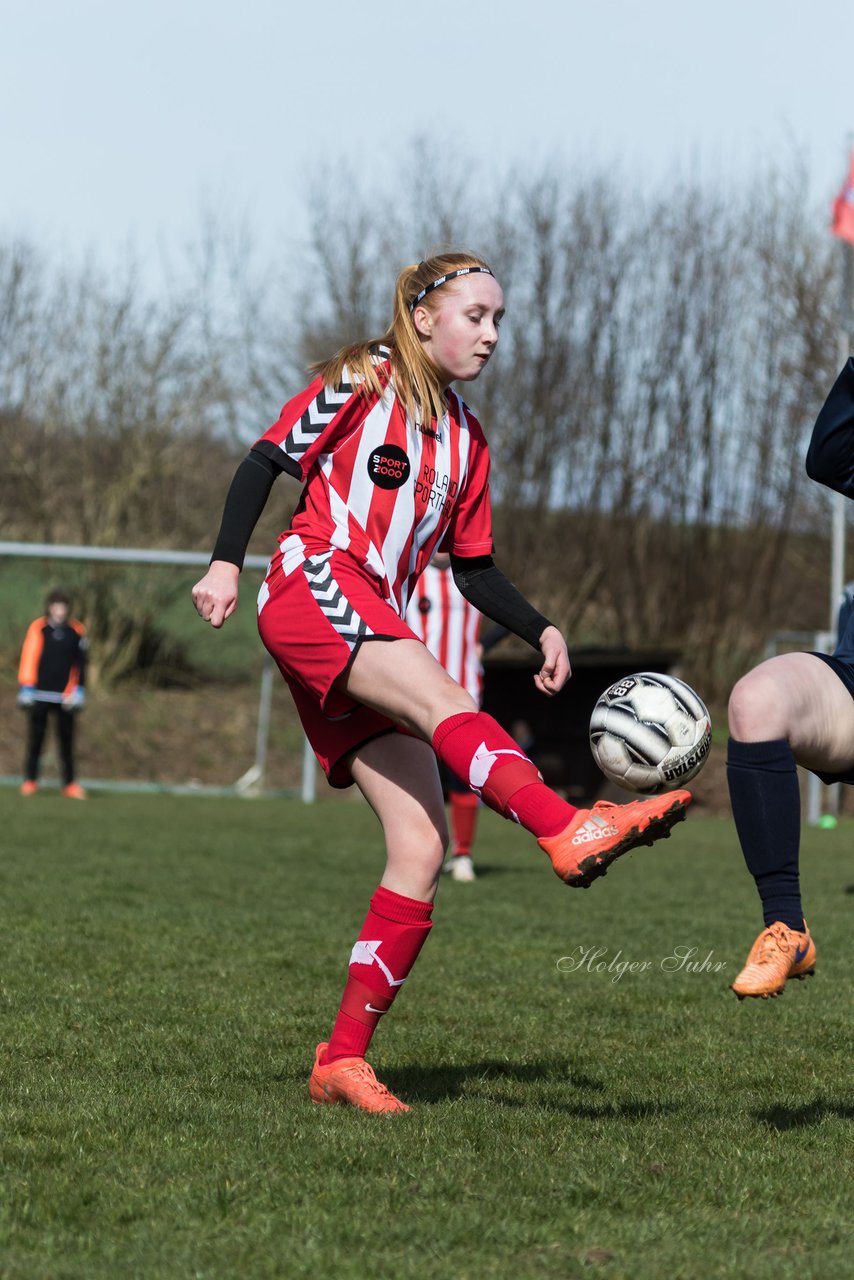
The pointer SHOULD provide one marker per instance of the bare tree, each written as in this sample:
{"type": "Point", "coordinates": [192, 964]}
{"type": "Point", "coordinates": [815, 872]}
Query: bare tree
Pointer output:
{"type": "Point", "coordinates": [109, 432]}
{"type": "Point", "coordinates": [663, 357]}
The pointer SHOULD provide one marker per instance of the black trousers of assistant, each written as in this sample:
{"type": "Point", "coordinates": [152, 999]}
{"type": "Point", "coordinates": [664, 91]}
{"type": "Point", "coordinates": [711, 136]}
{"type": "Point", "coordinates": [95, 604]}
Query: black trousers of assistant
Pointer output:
{"type": "Point", "coordinates": [39, 713]}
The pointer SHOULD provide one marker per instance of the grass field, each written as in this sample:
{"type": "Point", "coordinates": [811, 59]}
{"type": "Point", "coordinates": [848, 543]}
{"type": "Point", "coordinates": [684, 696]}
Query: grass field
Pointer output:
{"type": "Point", "coordinates": [168, 965]}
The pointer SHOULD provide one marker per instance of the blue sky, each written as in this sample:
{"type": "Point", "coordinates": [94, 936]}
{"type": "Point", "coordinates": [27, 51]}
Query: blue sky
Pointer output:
{"type": "Point", "coordinates": [121, 123]}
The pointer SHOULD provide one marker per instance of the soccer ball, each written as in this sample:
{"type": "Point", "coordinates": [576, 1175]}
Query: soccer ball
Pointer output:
{"type": "Point", "coordinates": [650, 733]}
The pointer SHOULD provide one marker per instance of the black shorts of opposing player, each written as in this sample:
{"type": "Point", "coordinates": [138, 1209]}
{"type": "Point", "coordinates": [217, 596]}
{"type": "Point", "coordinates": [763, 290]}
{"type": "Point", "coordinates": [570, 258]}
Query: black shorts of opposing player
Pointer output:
{"type": "Point", "coordinates": [841, 662]}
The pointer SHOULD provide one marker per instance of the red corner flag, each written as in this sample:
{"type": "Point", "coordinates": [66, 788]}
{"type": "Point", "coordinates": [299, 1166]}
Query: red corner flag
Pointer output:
{"type": "Point", "coordinates": [843, 208]}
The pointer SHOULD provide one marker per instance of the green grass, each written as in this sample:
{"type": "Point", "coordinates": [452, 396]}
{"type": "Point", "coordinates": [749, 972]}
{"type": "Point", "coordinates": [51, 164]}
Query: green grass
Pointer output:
{"type": "Point", "coordinates": [169, 964]}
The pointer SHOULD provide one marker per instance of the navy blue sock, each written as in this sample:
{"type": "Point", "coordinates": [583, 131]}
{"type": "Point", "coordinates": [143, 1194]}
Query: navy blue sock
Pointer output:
{"type": "Point", "coordinates": [766, 805]}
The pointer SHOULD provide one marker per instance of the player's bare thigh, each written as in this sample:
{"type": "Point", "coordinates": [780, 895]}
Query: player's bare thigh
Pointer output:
{"type": "Point", "coordinates": [403, 680]}
{"type": "Point", "coordinates": [398, 777]}
{"type": "Point", "coordinates": [798, 697]}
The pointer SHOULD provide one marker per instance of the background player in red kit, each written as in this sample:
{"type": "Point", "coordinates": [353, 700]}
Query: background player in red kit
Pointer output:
{"type": "Point", "coordinates": [395, 467]}
{"type": "Point", "coordinates": [451, 629]}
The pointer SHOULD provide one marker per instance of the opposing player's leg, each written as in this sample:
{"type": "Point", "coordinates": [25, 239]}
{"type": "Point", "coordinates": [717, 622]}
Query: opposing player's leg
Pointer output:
{"type": "Point", "coordinates": [398, 777]}
{"type": "Point", "coordinates": [797, 697]}
{"type": "Point", "coordinates": [404, 682]}
{"type": "Point", "coordinates": [793, 709]}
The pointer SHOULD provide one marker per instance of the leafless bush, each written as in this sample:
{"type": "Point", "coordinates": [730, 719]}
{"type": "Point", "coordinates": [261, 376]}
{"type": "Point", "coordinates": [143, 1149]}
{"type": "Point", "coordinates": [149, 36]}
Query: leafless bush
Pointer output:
{"type": "Point", "coordinates": [110, 431]}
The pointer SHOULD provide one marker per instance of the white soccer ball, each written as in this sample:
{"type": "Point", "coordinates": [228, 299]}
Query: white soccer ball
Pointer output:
{"type": "Point", "coordinates": [650, 733]}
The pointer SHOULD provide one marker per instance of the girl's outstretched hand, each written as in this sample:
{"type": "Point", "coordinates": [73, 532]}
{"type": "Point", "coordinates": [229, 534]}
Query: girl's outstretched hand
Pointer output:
{"type": "Point", "coordinates": [555, 671]}
{"type": "Point", "coordinates": [215, 596]}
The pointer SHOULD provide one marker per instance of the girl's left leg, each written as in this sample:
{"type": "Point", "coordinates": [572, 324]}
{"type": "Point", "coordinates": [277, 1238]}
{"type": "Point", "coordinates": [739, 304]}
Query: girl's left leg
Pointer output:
{"type": "Point", "coordinates": [404, 682]}
{"type": "Point", "coordinates": [398, 777]}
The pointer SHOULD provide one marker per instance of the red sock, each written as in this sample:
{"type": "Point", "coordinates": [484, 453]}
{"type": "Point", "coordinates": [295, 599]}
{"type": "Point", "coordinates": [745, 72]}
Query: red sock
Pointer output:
{"type": "Point", "coordinates": [477, 749]}
{"type": "Point", "coordinates": [463, 821]}
{"type": "Point", "coordinates": [394, 932]}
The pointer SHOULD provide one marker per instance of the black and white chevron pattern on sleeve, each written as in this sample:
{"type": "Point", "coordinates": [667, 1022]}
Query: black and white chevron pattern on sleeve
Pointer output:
{"type": "Point", "coordinates": [333, 604]}
{"type": "Point", "coordinates": [318, 415]}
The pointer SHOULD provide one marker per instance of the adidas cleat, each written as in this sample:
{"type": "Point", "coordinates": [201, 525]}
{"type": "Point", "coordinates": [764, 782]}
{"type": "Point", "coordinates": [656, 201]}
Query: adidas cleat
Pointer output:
{"type": "Point", "coordinates": [779, 953]}
{"type": "Point", "coordinates": [596, 837]}
{"type": "Point", "coordinates": [350, 1081]}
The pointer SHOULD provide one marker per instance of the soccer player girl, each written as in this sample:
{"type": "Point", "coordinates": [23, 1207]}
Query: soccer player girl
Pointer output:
{"type": "Point", "coordinates": [797, 708]}
{"type": "Point", "coordinates": [395, 466]}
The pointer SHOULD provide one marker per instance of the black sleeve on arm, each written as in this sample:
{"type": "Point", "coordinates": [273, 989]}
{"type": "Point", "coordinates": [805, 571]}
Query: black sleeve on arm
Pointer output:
{"type": "Point", "coordinates": [830, 459]}
{"type": "Point", "coordinates": [485, 586]}
{"type": "Point", "coordinates": [246, 499]}
{"type": "Point", "coordinates": [278, 457]}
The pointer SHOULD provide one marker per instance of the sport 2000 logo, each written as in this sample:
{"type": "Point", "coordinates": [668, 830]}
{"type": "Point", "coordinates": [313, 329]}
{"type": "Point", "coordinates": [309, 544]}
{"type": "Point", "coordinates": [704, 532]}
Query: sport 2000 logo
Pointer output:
{"type": "Point", "coordinates": [388, 466]}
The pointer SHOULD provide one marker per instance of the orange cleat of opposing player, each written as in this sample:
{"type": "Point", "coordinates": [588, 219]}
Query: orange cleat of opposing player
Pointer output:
{"type": "Point", "coordinates": [779, 953]}
{"type": "Point", "coordinates": [351, 1081]}
{"type": "Point", "coordinates": [595, 837]}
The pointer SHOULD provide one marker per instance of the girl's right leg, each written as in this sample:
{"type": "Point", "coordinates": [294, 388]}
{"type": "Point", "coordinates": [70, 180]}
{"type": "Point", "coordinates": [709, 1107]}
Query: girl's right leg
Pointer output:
{"type": "Point", "coordinates": [398, 777]}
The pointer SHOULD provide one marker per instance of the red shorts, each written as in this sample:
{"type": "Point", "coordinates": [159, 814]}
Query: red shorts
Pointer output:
{"type": "Point", "coordinates": [314, 611]}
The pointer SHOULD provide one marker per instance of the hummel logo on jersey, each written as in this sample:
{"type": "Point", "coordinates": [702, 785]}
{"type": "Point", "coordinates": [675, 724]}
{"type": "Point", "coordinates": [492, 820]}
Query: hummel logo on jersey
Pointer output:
{"type": "Point", "coordinates": [595, 829]}
{"type": "Point", "coordinates": [482, 762]}
{"type": "Point", "coordinates": [429, 431]}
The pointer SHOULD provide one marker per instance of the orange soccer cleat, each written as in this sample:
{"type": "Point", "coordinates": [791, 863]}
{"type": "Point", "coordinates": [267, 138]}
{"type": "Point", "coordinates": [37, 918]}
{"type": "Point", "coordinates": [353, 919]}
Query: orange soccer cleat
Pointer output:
{"type": "Point", "coordinates": [779, 953]}
{"type": "Point", "coordinates": [595, 837]}
{"type": "Point", "coordinates": [351, 1080]}
{"type": "Point", "coordinates": [29, 788]}
{"type": "Point", "coordinates": [74, 791]}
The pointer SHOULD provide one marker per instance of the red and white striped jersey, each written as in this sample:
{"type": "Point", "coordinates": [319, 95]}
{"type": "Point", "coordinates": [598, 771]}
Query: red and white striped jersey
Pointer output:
{"type": "Point", "coordinates": [449, 626]}
{"type": "Point", "coordinates": [387, 490]}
